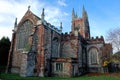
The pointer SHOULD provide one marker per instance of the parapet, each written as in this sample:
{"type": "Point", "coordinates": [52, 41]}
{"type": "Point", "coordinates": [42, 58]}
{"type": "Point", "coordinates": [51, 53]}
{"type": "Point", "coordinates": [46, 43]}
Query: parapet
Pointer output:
{"type": "Point", "coordinates": [68, 36]}
{"type": "Point", "coordinates": [45, 23]}
{"type": "Point", "coordinates": [96, 39]}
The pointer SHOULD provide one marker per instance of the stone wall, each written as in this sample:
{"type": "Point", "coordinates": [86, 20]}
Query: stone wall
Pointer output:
{"type": "Point", "coordinates": [79, 53]}
{"type": "Point", "coordinates": [66, 72]}
{"type": "Point", "coordinates": [69, 49]}
{"type": "Point", "coordinates": [16, 62]}
{"type": "Point", "coordinates": [98, 44]}
{"type": "Point", "coordinates": [56, 39]}
{"type": "Point", "coordinates": [23, 67]}
{"type": "Point", "coordinates": [66, 67]}
{"type": "Point", "coordinates": [69, 46]}
{"type": "Point", "coordinates": [51, 46]}
{"type": "Point", "coordinates": [69, 67]}
{"type": "Point", "coordinates": [107, 51]}
{"type": "Point", "coordinates": [48, 47]}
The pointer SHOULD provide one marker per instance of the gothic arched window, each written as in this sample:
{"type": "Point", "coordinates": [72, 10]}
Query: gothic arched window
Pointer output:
{"type": "Point", "coordinates": [24, 32]}
{"type": "Point", "coordinates": [93, 56]}
{"type": "Point", "coordinates": [55, 47]}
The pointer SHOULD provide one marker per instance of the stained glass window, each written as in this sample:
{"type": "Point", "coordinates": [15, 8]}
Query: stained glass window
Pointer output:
{"type": "Point", "coordinates": [93, 56]}
{"type": "Point", "coordinates": [23, 34]}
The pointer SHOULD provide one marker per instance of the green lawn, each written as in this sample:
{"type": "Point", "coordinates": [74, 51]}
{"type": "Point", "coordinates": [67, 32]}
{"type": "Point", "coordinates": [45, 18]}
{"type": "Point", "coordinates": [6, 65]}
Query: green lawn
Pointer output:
{"type": "Point", "coordinates": [85, 77]}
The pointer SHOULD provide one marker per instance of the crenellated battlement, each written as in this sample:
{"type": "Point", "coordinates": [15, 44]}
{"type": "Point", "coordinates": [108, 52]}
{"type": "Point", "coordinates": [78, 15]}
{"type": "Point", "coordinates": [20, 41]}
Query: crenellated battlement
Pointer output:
{"type": "Point", "coordinates": [96, 39]}
{"type": "Point", "coordinates": [68, 36]}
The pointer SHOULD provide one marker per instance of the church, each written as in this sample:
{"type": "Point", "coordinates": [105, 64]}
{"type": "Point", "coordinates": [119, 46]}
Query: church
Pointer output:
{"type": "Point", "coordinates": [38, 48]}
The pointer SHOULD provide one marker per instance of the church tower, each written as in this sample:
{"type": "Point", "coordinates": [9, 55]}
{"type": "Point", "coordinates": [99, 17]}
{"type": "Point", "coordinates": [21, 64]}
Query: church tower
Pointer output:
{"type": "Point", "coordinates": [81, 25]}
{"type": "Point", "coordinates": [85, 23]}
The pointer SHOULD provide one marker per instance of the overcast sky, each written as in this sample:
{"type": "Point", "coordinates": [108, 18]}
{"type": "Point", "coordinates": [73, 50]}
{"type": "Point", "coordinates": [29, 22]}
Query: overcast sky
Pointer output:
{"type": "Point", "coordinates": [103, 14]}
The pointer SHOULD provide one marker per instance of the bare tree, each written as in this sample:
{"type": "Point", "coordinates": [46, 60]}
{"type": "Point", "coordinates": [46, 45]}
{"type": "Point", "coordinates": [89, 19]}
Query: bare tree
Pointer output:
{"type": "Point", "coordinates": [113, 37]}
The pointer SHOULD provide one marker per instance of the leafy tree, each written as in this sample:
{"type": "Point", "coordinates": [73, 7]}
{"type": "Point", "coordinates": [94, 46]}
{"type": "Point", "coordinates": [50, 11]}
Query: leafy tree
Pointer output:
{"type": "Point", "coordinates": [4, 50]}
{"type": "Point", "coordinates": [113, 37]}
{"type": "Point", "coordinates": [105, 63]}
{"type": "Point", "coordinates": [116, 57]}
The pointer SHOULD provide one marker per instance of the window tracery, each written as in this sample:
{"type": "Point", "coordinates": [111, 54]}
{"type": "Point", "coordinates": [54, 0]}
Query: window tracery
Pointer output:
{"type": "Point", "coordinates": [23, 34]}
{"type": "Point", "coordinates": [93, 56]}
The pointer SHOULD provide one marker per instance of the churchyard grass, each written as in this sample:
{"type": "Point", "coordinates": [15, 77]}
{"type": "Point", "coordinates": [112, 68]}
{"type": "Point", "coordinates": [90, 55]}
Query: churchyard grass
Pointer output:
{"type": "Point", "coordinates": [85, 77]}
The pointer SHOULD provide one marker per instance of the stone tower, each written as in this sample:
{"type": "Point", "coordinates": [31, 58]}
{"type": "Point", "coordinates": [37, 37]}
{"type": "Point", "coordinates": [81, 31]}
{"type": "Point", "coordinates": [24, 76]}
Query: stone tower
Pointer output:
{"type": "Point", "coordinates": [81, 25]}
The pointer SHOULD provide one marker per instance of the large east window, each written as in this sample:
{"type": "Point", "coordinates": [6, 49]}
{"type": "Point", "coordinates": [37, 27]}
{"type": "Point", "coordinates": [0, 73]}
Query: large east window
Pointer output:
{"type": "Point", "coordinates": [23, 34]}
